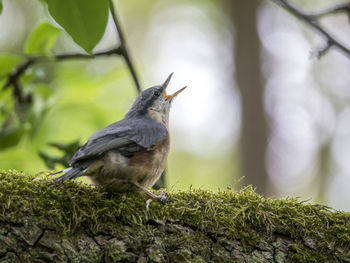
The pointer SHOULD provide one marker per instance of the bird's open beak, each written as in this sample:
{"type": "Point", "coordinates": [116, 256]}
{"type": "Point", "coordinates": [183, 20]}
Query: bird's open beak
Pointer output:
{"type": "Point", "coordinates": [170, 97]}
{"type": "Point", "coordinates": [165, 84]}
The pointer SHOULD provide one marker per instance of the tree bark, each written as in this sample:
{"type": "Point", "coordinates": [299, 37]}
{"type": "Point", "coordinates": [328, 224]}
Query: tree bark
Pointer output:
{"type": "Point", "coordinates": [72, 222]}
{"type": "Point", "coordinates": [249, 77]}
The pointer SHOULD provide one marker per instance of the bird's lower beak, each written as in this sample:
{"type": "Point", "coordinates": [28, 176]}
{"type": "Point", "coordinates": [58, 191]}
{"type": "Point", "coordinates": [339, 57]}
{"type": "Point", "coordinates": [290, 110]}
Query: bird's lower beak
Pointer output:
{"type": "Point", "coordinates": [165, 84]}
{"type": "Point", "coordinates": [170, 97]}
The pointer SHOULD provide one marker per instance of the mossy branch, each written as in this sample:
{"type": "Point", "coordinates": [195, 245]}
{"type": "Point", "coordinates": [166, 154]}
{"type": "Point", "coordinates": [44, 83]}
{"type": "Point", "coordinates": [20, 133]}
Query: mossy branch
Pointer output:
{"type": "Point", "coordinates": [73, 222]}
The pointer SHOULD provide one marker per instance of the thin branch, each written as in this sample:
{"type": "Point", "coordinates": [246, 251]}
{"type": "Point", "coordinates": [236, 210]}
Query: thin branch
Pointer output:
{"type": "Point", "coordinates": [341, 8]}
{"type": "Point", "coordinates": [14, 76]}
{"type": "Point", "coordinates": [114, 51]}
{"type": "Point", "coordinates": [124, 47]}
{"type": "Point", "coordinates": [312, 20]}
{"type": "Point", "coordinates": [322, 51]}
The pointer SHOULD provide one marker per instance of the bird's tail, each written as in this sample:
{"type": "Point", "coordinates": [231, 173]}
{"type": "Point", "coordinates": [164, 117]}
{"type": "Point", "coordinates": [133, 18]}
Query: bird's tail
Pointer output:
{"type": "Point", "coordinates": [70, 173]}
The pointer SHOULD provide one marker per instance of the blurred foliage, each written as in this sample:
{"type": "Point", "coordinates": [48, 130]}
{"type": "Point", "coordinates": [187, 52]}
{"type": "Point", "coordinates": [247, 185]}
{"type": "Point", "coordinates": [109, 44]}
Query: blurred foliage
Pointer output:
{"type": "Point", "coordinates": [67, 150]}
{"type": "Point", "coordinates": [71, 106]}
{"type": "Point", "coordinates": [42, 39]}
{"type": "Point", "coordinates": [7, 63]}
{"type": "Point", "coordinates": [25, 95]}
{"type": "Point", "coordinates": [210, 172]}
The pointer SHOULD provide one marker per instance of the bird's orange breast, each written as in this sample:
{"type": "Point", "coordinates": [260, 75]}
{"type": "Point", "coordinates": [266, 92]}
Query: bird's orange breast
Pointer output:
{"type": "Point", "coordinates": [150, 164]}
{"type": "Point", "coordinates": [115, 172]}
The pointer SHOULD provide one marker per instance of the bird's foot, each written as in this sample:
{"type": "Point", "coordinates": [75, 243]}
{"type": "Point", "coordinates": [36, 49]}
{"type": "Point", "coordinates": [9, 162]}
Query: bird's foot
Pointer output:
{"type": "Point", "coordinates": [162, 198]}
{"type": "Point", "coordinates": [148, 202]}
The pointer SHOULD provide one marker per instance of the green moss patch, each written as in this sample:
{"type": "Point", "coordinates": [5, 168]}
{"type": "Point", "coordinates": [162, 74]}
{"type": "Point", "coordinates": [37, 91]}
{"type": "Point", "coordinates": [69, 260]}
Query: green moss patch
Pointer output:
{"type": "Point", "coordinates": [313, 232]}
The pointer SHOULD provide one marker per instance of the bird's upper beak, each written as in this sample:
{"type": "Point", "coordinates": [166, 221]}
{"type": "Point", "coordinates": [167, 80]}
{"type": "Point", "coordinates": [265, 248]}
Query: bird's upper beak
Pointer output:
{"type": "Point", "coordinates": [165, 84]}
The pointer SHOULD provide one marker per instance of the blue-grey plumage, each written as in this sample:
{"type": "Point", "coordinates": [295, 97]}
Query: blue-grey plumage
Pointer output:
{"type": "Point", "coordinates": [131, 154]}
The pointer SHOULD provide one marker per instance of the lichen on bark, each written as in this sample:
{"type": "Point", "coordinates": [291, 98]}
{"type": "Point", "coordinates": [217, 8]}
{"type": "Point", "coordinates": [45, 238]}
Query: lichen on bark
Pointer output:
{"type": "Point", "coordinates": [74, 222]}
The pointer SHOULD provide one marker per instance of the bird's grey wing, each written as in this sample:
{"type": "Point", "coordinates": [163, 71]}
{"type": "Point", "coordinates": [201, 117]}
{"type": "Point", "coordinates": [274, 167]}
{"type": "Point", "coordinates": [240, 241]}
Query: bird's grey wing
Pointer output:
{"type": "Point", "coordinates": [146, 132]}
{"type": "Point", "coordinates": [127, 136]}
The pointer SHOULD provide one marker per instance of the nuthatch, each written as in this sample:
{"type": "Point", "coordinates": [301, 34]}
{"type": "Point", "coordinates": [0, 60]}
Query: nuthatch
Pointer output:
{"type": "Point", "coordinates": [131, 154]}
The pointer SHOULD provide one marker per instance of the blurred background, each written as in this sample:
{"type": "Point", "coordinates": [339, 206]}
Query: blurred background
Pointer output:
{"type": "Point", "coordinates": [259, 104]}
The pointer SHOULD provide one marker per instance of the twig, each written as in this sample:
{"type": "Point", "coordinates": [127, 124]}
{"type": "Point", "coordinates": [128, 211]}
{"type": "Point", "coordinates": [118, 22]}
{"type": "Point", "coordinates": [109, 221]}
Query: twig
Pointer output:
{"type": "Point", "coordinates": [13, 78]}
{"type": "Point", "coordinates": [312, 20]}
{"type": "Point", "coordinates": [124, 48]}
{"type": "Point", "coordinates": [114, 51]}
{"type": "Point", "coordinates": [341, 8]}
{"type": "Point", "coordinates": [322, 51]}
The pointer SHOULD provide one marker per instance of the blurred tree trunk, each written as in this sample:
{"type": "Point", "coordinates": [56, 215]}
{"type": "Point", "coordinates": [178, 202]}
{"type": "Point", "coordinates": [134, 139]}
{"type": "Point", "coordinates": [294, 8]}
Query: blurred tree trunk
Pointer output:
{"type": "Point", "coordinates": [248, 75]}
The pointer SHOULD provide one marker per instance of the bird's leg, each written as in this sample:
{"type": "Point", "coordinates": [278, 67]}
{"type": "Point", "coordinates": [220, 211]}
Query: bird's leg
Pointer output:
{"type": "Point", "coordinates": [161, 197]}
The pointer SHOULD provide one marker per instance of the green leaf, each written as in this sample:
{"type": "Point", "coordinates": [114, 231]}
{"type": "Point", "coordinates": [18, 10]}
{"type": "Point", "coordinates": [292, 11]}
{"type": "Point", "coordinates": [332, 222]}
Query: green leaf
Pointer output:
{"type": "Point", "coordinates": [10, 137]}
{"type": "Point", "coordinates": [43, 90]}
{"type": "Point", "coordinates": [68, 151]}
{"type": "Point", "coordinates": [42, 39]}
{"type": "Point", "coordinates": [84, 20]}
{"type": "Point", "coordinates": [0, 6]}
{"type": "Point", "coordinates": [8, 62]}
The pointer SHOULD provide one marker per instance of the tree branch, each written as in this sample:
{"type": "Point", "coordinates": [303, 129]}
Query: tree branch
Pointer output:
{"type": "Point", "coordinates": [123, 46]}
{"type": "Point", "coordinates": [13, 78]}
{"type": "Point", "coordinates": [70, 222]}
{"type": "Point", "coordinates": [312, 20]}
{"type": "Point", "coordinates": [114, 51]}
{"type": "Point", "coordinates": [341, 8]}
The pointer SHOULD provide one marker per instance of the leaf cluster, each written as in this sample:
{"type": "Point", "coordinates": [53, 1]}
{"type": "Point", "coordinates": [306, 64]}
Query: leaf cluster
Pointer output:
{"type": "Point", "coordinates": [26, 96]}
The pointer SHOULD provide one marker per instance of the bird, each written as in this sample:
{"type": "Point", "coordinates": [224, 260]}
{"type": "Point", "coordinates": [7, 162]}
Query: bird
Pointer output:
{"type": "Point", "coordinates": [131, 154]}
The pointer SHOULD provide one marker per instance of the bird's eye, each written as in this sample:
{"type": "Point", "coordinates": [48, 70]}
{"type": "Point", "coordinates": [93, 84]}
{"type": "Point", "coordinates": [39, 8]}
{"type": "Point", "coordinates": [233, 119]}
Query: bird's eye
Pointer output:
{"type": "Point", "coordinates": [157, 93]}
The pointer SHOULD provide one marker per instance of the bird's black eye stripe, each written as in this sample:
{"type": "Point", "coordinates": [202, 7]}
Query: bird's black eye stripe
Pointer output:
{"type": "Point", "coordinates": [157, 93]}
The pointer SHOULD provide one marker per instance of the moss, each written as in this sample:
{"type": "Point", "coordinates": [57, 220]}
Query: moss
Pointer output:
{"type": "Point", "coordinates": [316, 233]}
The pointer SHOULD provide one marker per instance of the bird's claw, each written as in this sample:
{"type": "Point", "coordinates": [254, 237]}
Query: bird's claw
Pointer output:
{"type": "Point", "coordinates": [161, 198]}
{"type": "Point", "coordinates": [148, 202]}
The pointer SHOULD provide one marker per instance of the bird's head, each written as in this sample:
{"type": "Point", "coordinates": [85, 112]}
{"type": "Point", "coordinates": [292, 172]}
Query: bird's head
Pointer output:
{"type": "Point", "coordinates": [155, 102]}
